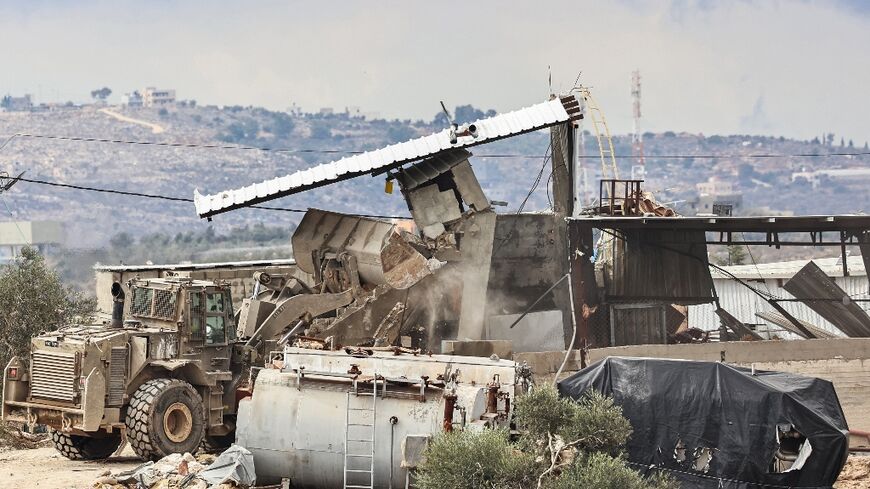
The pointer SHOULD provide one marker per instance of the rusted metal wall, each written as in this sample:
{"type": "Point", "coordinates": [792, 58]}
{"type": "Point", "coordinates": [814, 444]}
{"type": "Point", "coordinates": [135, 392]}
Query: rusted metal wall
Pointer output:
{"type": "Point", "coordinates": [646, 270]}
{"type": "Point", "coordinates": [637, 324]}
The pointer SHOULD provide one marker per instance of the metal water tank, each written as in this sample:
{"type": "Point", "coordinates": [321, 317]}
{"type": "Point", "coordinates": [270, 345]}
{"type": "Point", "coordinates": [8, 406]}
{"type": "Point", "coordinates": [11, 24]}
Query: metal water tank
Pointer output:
{"type": "Point", "coordinates": [305, 417]}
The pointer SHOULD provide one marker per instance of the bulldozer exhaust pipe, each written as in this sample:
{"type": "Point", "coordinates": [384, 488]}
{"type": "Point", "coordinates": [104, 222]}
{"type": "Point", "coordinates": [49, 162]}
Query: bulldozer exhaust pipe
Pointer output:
{"type": "Point", "coordinates": [117, 305]}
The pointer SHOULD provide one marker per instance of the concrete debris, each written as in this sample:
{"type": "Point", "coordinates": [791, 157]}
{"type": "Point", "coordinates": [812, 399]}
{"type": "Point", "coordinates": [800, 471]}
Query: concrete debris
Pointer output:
{"type": "Point", "coordinates": [177, 471]}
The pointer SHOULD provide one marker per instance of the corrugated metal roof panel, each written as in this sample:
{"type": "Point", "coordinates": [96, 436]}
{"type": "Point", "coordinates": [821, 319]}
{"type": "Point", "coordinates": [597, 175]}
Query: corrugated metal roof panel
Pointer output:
{"type": "Point", "coordinates": [524, 120]}
{"type": "Point", "coordinates": [423, 171]}
{"type": "Point", "coordinates": [824, 296]}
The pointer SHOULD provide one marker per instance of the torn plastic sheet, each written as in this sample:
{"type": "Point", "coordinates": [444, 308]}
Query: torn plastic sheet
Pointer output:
{"type": "Point", "coordinates": [236, 465]}
{"type": "Point", "coordinates": [715, 425]}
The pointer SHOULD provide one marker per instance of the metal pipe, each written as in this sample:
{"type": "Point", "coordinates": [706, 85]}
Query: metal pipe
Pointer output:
{"type": "Point", "coordinates": [290, 333]}
{"type": "Point", "coordinates": [449, 405]}
{"type": "Point", "coordinates": [393, 421]}
{"type": "Point", "coordinates": [539, 299]}
{"type": "Point", "coordinates": [117, 305]}
{"type": "Point", "coordinates": [573, 336]}
{"type": "Point", "coordinates": [492, 398]}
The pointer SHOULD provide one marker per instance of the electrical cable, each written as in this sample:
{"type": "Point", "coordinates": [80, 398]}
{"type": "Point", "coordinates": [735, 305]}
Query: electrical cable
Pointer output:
{"type": "Point", "coordinates": [14, 219]}
{"type": "Point", "coordinates": [754, 263]}
{"type": "Point", "coordinates": [175, 199]}
{"type": "Point", "coordinates": [528, 196]}
{"type": "Point", "coordinates": [352, 152]}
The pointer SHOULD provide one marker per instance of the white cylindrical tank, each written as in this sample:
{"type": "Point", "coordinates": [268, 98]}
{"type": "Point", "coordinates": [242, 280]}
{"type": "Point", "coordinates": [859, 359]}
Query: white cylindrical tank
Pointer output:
{"type": "Point", "coordinates": [299, 417]}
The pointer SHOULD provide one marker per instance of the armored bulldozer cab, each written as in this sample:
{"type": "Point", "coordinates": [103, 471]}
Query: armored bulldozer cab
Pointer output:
{"type": "Point", "coordinates": [163, 370]}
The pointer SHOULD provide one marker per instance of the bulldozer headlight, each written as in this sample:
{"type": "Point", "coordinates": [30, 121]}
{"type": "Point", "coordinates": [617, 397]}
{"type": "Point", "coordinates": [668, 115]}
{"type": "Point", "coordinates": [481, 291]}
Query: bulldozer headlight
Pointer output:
{"type": "Point", "coordinates": [12, 373]}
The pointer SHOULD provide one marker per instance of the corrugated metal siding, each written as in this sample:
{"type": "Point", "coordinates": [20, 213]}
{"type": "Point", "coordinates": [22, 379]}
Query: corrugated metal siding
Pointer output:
{"type": "Point", "coordinates": [643, 270]}
{"type": "Point", "coordinates": [812, 283]}
{"type": "Point", "coordinates": [513, 123]}
{"type": "Point", "coordinates": [743, 303]}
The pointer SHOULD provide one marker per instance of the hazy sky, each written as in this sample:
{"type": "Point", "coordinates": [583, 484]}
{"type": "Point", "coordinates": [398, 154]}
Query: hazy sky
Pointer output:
{"type": "Point", "coordinates": [793, 68]}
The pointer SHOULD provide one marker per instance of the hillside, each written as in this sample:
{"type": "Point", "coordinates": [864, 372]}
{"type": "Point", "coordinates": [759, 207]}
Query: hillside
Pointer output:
{"type": "Point", "coordinates": [174, 171]}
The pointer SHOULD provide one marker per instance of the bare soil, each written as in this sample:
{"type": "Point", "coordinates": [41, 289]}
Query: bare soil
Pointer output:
{"type": "Point", "coordinates": [46, 469]}
{"type": "Point", "coordinates": [856, 473]}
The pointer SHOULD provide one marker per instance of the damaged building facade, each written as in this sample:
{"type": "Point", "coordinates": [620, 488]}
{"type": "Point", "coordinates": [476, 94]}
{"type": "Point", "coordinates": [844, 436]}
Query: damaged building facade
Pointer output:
{"type": "Point", "coordinates": [466, 269]}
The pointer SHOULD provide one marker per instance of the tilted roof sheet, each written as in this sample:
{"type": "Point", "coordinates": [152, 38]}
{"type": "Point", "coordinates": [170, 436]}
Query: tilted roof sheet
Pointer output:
{"type": "Point", "coordinates": [539, 116]}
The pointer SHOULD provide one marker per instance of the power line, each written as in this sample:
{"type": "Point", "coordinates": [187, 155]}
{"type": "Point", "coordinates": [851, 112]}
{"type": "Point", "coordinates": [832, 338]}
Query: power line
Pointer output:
{"type": "Point", "coordinates": [14, 219]}
{"type": "Point", "coordinates": [169, 144]}
{"type": "Point", "coordinates": [173, 198]}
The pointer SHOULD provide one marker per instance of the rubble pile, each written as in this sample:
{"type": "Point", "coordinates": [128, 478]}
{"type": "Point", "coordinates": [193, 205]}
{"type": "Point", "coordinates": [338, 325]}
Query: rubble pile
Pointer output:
{"type": "Point", "coordinates": [232, 469]}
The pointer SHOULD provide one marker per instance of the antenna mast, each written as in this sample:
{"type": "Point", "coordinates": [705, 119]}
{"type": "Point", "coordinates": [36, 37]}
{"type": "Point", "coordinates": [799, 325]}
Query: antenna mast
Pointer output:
{"type": "Point", "coordinates": [638, 169]}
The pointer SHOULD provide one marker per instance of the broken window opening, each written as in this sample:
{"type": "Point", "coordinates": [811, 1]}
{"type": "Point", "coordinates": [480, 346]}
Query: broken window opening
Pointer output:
{"type": "Point", "coordinates": [793, 449]}
{"type": "Point", "coordinates": [699, 460]}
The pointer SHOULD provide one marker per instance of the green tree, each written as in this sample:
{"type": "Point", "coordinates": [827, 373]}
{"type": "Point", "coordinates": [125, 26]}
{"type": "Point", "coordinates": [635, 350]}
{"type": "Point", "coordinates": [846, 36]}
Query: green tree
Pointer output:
{"type": "Point", "coordinates": [565, 444]}
{"type": "Point", "coordinates": [736, 255]}
{"type": "Point", "coordinates": [122, 241]}
{"type": "Point", "coordinates": [101, 93]}
{"type": "Point", "coordinates": [34, 299]}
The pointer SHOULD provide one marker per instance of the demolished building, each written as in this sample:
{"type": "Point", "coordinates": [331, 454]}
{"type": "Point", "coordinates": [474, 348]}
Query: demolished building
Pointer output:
{"type": "Point", "coordinates": [467, 264]}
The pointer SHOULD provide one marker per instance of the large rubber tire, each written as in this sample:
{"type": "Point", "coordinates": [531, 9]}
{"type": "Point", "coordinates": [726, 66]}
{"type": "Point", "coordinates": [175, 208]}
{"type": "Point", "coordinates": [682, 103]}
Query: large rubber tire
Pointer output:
{"type": "Point", "coordinates": [165, 416]}
{"type": "Point", "coordinates": [77, 447]}
{"type": "Point", "coordinates": [217, 444]}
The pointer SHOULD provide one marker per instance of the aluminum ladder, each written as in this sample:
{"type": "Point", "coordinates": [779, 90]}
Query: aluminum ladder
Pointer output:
{"type": "Point", "coordinates": [359, 437]}
{"type": "Point", "coordinates": [602, 136]}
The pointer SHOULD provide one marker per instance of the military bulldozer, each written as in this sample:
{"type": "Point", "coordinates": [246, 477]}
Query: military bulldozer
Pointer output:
{"type": "Point", "coordinates": [171, 375]}
{"type": "Point", "coordinates": [168, 376]}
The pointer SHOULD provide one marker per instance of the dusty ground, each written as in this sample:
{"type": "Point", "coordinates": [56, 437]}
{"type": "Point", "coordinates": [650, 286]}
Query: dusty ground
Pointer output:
{"type": "Point", "coordinates": [46, 469]}
{"type": "Point", "coordinates": [856, 473]}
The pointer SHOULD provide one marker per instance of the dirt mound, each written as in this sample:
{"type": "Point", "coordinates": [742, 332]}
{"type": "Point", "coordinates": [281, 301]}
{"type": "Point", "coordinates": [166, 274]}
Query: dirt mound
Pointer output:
{"type": "Point", "coordinates": [856, 473]}
{"type": "Point", "coordinates": [12, 438]}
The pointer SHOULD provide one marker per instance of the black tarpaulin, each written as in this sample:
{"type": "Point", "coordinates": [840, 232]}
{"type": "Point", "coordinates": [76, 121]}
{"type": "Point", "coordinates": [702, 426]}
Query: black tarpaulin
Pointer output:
{"type": "Point", "coordinates": [723, 410]}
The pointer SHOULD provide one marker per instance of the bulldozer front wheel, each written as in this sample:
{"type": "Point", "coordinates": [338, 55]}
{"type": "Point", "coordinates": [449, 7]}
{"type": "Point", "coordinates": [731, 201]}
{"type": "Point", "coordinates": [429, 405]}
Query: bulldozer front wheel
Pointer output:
{"type": "Point", "coordinates": [217, 443]}
{"type": "Point", "coordinates": [77, 447]}
{"type": "Point", "coordinates": [165, 416]}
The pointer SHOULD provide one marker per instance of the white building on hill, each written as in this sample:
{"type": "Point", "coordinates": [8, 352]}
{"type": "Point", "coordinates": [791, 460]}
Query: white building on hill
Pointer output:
{"type": "Point", "coordinates": [155, 97]}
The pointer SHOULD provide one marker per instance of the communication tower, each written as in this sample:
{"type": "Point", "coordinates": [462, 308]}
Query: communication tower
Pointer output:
{"type": "Point", "coordinates": [638, 169]}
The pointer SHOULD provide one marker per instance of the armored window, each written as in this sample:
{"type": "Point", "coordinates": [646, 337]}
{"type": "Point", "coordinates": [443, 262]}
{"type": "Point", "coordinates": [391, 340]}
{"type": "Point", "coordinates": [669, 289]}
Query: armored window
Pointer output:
{"type": "Point", "coordinates": [215, 318]}
{"type": "Point", "coordinates": [231, 330]}
{"type": "Point", "coordinates": [215, 303]}
{"type": "Point", "coordinates": [141, 305]}
{"type": "Point", "coordinates": [197, 315]}
{"type": "Point", "coordinates": [154, 303]}
{"type": "Point", "coordinates": [215, 330]}
{"type": "Point", "coordinates": [164, 304]}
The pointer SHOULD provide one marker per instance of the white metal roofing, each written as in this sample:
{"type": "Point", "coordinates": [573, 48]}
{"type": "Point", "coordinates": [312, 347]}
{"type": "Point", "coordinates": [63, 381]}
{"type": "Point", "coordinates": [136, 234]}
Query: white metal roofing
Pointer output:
{"type": "Point", "coordinates": [786, 269]}
{"type": "Point", "coordinates": [195, 266]}
{"type": "Point", "coordinates": [539, 116]}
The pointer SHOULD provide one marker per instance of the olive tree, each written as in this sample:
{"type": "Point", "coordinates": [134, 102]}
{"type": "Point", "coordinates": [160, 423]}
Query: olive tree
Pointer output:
{"type": "Point", "coordinates": [564, 444]}
{"type": "Point", "coordinates": [33, 299]}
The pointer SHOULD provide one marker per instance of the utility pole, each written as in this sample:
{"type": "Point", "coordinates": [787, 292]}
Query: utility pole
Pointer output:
{"type": "Point", "coordinates": [638, 169]}
{"type": "Point", "coordinates": [581, 183]}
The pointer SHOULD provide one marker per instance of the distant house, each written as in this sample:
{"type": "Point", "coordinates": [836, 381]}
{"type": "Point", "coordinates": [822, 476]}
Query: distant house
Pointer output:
{"type": "Point", "coordinates": [155, 97]}
{"type": "Point", "coordinates": [716, 196]}
{"type": "Point", "coordinates": [850, 175]}
{"type": "Point", "coordinates": [715, 186]}
{"type": "Point", "coordinates": [133, 99]}
{"type": "Point", "coordinates": [15, 235]}
{"type": "Point", "coordinates": [17, 104]}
